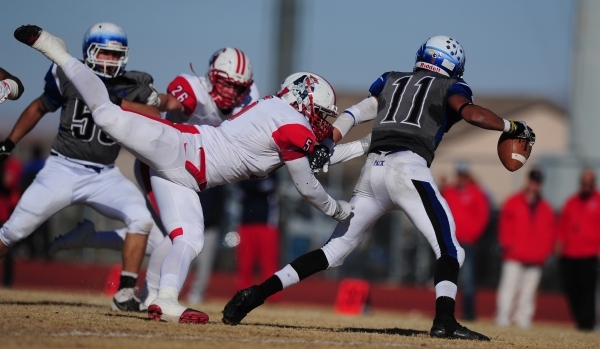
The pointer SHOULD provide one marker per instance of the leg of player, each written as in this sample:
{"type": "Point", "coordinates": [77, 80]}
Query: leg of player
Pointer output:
{"type": "Point", "coordinates": [345, 238]}
{"type": "Point", "coordinates": [419, 197]}
{"type": "Point", "coordinates": [181, 213]}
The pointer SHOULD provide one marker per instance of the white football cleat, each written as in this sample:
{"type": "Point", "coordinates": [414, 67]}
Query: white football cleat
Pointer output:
{"type": "Point", "coordinates": [81, 236]}
{"type": "Point", "coordinates": [125, 300]}
{"type": "Point", "coordinates": [169, 309]}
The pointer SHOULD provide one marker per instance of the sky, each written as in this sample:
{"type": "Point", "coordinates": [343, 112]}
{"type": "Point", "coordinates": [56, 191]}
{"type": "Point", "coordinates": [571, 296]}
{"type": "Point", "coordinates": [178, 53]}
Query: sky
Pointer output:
{"type": "Point", "coordinates": [513, 47]}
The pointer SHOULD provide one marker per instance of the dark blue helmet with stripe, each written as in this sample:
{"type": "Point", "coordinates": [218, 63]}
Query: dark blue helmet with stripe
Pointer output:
{"type": "Point", "coordinates": [441, 54]}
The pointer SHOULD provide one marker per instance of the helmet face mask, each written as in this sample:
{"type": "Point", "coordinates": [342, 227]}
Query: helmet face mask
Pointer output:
{"type": "Point", "coordinates": [230, 75]}
{"type": "Point", "coordinates": [441, 54]}
{"type": "Point", "coordinates": [312, 96]}
{"type": "Point", "coordinates": [105, 50]}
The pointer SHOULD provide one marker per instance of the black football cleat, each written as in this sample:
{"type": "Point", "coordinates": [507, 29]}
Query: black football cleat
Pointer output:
{"type": "Point", "coordinates": [453, 330]}
{"type": "Point", "coordinates": [241, 304]}
{"type": "Point", "coordinates": [28, 34]}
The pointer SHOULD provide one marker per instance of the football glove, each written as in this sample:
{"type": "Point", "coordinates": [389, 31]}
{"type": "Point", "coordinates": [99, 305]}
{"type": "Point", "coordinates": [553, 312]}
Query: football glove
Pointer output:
{"type": "Point", "coordinates": [319, 158]}
{"type": "Point", "coordinates": [5, 148]}
{"type": "Point", "coordinates": [343, 210]}
{"type": "Point", "coordinates": [4, 91]}
{"type": "Point", "coordinates": [519, 129]}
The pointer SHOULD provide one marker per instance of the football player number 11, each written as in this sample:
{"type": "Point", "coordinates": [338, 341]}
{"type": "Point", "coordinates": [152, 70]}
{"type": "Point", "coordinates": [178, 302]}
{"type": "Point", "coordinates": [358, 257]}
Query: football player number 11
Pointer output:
{"type": "Point", "coordinates": [414, 113]}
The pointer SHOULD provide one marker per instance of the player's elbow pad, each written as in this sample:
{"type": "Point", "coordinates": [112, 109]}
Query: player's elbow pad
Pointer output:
{"type": "Point", "coordinates": [359, 113]}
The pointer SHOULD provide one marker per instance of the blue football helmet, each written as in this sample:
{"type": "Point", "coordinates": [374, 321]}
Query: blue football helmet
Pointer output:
{"type": "Point", "coordinates": [441, 54]}
{"type": "Point", "coordinates": [105, 36]}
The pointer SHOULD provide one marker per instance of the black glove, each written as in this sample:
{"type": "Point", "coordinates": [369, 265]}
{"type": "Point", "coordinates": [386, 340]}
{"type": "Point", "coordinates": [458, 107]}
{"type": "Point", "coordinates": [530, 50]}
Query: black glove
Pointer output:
{"type": "Point", "coordinates": [519, 129]}
{"type": "Point", "coordinates": [319, 157]}
{"type": "Point", "coordinates": [115, 99]}
{"type": "Point", "coordinates": [5, 148]}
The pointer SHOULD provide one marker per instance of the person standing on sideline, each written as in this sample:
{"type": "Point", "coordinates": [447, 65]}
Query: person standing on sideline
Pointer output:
{"type": "Point", "coordinates": [471, 210]}
{"type": "Point", "coordinates": [578, 245]}
{"type": "Point", "coordinates": [526, 234]}
{"type": "Point", "coordinates": [258, 230]}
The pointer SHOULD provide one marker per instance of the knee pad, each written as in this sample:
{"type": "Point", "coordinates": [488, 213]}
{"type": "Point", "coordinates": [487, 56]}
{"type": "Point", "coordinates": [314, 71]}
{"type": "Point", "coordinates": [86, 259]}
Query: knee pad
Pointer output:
{"type": "Point", "coordinates": [336, 251]}
{"type": "Point", "coordinates": [194, 240]}
{"type": "Point", "coordinates": [140, 225]}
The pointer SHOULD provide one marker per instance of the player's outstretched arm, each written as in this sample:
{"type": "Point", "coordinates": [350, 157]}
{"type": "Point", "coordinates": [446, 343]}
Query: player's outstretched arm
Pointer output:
{"type": "Point", "coordinates": [27, 121]}
{"type": "Point", "coordinates": [11, 86]}
{"type": "Point", "coordinates": [363, 111]}
{"type": "Point", "coordinates": [139, 108]}
{"type": "Point", "coordinates": [312, 191]}
{"type": "Point", "coordinates": [169, 103]}
{"type": "Point", "coordinates": [475, 114]}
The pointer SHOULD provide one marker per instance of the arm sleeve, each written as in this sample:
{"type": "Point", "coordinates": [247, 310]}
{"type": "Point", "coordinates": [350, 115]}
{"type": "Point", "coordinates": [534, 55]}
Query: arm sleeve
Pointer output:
{"type": "Point", "coordinates": [378, 85]}
{"type": "Point", "coordinates": [351, 150]}
{"type": "Point", "coordinates": [365, 110]}
{"type": "Point", "coordinates": [52, 98]}
{"type": "Point", "coordinates": [309, 187]}
{"type": "Point", "coordinates": [181, 89]}
{"type": "Point", "coordinates": [294, 141]}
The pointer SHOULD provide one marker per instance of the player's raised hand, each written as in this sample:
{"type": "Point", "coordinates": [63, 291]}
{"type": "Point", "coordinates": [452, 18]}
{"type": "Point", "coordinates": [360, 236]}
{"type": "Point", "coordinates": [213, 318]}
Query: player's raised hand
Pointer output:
{"type": "Point", "coordinates": [6, 147]}
{"type": "Point", "coordinates": [319, 158]}
{"type": "Point", "coordinates": [342, 210]}
{"type": "Point", "coordinates": [4, 91]}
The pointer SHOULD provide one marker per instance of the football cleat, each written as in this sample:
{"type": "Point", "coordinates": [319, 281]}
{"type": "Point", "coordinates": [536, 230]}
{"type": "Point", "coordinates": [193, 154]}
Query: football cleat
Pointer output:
{"type": "Point", "coordinates": [241, 304]}
{"type": "Point", "coordinates": [125, 300]}
{"type": "Point", "coordinates": [80, 237]}
{"type": "Point", "coordinates": [451, 329]}
{"type": "Point", "coordinates": [168, 309]}
{"type": "Point", "coordinates": [36, 37]}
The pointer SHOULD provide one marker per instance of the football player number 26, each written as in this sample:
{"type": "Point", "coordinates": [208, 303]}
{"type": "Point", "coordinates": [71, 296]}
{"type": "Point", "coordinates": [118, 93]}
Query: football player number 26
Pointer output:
{"type": "Point", "coordinates": [416, 107]}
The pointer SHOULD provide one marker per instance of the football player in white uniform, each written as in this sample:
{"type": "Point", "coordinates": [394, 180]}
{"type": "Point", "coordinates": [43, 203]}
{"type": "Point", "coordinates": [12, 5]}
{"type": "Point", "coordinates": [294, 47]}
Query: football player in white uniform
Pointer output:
{"type": "Point", "coordinates": [194, 100]}
{"type": "Point", "coordinates": [412, 111]}
{"type": "Point", "coordinates": [10, 87]}
{"type": "Point", "coordinates": [185, 159]}
{"type": "Point", "coordinates": [81, 166]}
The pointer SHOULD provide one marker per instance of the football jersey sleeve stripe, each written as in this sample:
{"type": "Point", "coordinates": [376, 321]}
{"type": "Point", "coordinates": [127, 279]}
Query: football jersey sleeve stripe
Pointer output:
{"type": "Point", "coordinates": [294, 141]}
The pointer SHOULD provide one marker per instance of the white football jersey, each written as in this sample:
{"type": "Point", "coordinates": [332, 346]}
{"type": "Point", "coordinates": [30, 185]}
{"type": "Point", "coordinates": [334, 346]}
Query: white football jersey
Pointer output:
{"type": "Point", "coordinates": [198, 106]}
{"type": "Point", "coordinates": [255, 142]}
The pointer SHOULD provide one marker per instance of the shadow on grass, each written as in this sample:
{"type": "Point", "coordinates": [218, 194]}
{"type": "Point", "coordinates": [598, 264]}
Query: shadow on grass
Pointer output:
{"type": "Point", "coordinates": [122, 315]}
{"type": "Point", "coordinates": [389, 331]}
{"type": "Point", "coordinates": [66, 304]}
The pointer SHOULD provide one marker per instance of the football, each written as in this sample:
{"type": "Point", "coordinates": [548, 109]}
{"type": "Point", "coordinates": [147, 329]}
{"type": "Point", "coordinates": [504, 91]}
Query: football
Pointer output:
{"type": "Point", "coordinates": [513, 152]}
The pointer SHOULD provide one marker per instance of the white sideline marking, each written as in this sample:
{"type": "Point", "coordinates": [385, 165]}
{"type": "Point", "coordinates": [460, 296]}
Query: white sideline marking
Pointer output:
{"type": "Point", "coordinates": [266, 340]}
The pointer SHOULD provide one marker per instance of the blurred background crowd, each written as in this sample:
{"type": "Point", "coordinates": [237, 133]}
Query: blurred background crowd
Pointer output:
{"type": "Point", "coordinates": [535, 230]}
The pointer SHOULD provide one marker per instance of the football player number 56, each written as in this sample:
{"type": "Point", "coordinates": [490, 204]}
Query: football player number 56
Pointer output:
{"type": "Point", "coordinates": [83, 126]}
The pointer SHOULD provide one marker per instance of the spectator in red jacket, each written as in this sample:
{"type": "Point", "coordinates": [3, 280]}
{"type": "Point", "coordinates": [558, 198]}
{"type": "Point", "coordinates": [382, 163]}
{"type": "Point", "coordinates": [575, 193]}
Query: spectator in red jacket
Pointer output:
{"type": "Point", "coordinates": [578, 246]}
{"type": "Point", "coordinates": [10, 175]}
{"type": "Point", "coordinates": [471, 211]}
{"type": "Point", "coordinates": [526, 234]}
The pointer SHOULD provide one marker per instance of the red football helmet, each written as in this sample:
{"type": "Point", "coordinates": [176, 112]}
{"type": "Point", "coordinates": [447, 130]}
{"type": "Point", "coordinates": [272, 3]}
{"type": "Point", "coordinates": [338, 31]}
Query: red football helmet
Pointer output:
{"type": "Point", "coordinates": [230, 75]}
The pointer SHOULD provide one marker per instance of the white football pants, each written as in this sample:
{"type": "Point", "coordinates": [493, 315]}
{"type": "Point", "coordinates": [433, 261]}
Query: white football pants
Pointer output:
{"type": "Point", "coordinates": [64, 182]}
{"type": "Point", "coordinates": [398, 181]}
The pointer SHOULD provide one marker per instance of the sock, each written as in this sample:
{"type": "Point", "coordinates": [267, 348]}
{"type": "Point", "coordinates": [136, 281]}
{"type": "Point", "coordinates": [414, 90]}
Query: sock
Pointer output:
{"type": "Point", "coordinates": [154, 265]}
{"type": "Point", "coordinates": [271, 286]}
{"type": "Point", "coordinates": [176, 265]}
{"type": "Point", "coordinates": [445, 279]}
{"type": "Point", "coordinates": [444, 309]}
{"type": "Point", "coordinates": [127, 280]}
{"type": "Point", "coordinates": [52, 47]}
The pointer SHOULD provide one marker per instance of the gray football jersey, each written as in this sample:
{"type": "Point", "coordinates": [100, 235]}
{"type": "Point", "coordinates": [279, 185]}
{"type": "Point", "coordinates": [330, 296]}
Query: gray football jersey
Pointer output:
{"type": "Point", "coordinates": [78, 136]}
{"type": "Point", "coordinates": [412, 112]}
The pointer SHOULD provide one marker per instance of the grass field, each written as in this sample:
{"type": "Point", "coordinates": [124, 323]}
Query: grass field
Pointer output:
{"type": "Point", "coordinates": [60, 320]}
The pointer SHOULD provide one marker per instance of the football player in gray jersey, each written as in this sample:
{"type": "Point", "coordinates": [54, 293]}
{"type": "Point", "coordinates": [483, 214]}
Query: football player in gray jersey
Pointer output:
{"type": "Point", "coordinates": [412, 111]}
{"type": "Point", "coordinates": [10, 88]}
{"type": "Point", "coordinates": [81, 167]}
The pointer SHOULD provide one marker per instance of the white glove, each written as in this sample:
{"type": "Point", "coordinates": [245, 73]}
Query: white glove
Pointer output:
{"type": "Point", "coordinates": [343, 210]}
{"type": "Point", "coordinates": [154, 99]}
{"type": "Point", "coordinates": [4, 91]}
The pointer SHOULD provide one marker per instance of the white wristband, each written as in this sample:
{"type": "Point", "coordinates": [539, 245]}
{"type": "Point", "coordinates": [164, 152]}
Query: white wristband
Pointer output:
{"type": "Point", "coordinates": [506, 125]}
{"type": "Point", "coordinates": [14, 88]}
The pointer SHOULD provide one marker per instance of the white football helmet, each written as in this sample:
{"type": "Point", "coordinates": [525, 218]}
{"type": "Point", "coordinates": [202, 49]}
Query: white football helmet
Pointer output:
{"type": "Point", "coordinates": [230, 76]}
{"type": "Point", "coordinates": [314, 97]}
{"type": "Point", "coordinates": [105, 36]}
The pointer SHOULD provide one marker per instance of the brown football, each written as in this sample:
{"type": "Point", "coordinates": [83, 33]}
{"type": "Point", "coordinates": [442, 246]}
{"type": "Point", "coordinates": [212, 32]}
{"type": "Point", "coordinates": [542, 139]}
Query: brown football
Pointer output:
{"type": "Point", "coordinates": [513, 152]}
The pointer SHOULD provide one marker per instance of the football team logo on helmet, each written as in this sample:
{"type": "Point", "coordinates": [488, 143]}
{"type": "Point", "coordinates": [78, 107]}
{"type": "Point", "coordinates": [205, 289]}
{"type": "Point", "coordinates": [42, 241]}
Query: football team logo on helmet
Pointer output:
{"type": "Point", "coordinates": [230, 76]}
{"type": "Point", "coordinates": [106, 38]}
{"type": "Point", "coordinates": [441, 54]}
{"type": "Point", "coordinates": [314, 97]}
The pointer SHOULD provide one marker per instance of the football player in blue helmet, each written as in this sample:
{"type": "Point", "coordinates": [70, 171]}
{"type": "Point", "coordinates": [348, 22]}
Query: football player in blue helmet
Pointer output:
{"type": "Point", "coordinates": [441, 54]}
{"type": "Point", "coordinates": [105, 49]}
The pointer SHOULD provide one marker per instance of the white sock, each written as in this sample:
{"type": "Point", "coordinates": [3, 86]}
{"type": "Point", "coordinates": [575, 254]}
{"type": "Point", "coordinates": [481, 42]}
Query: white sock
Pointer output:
{"type": "Point", "coordinates": [288, 276]}
{"type": "Point", "coordinates": [128, 273]}
{"type": "Point", "coordinates": [52, 47]}
{"type": "Point", "coordinates": [154, 265]}
{"type": "Point", "coordinates": [176, 265]}
{"type": "Point", "coordinates": [445, 289]}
